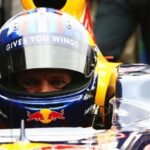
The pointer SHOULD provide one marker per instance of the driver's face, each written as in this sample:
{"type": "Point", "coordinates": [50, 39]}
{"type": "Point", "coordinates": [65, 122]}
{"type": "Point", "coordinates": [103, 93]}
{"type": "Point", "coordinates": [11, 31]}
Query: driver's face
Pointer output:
{"type": "Point", "coordinates": [34, 81]}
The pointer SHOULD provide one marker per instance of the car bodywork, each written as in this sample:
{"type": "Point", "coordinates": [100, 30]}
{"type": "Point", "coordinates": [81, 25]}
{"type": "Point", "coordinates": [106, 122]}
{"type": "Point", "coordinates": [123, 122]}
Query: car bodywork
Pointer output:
{"type": "Point", "coordinates": [130, 121]}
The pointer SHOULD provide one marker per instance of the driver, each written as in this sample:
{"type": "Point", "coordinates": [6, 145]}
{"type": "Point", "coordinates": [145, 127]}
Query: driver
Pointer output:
{"type": "Point", "coordinates": [47, 71]}
{"type": "Point", "coordinates": [37, 81]}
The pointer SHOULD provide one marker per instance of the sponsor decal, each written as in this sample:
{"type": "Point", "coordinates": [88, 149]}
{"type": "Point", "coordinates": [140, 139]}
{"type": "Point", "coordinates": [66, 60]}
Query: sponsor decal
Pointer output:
{"type": "Point", "coordinates": [37, 39]}
{"type": "Point", "coordinates": [45, 116]}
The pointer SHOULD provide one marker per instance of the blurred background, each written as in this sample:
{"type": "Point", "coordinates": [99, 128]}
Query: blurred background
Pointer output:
{"type": "Point", "coordinates": [8, 8]}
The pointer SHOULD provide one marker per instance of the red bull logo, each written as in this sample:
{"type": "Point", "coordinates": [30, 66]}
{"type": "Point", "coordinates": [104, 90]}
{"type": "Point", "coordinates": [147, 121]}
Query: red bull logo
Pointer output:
{"type": "Point", "coordinates": [45, 116]}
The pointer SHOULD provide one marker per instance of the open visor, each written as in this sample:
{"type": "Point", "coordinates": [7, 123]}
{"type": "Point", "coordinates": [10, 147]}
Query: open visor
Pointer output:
{"type": "Point", "coordinates": [48, 52]}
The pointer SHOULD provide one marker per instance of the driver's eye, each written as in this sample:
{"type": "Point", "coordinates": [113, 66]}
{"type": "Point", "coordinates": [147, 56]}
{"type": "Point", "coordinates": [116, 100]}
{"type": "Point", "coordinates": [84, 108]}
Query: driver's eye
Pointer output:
{"type": "Point", "coordinates": [29, 82]}
{"type": "Point", "coordinates": [58, 83]}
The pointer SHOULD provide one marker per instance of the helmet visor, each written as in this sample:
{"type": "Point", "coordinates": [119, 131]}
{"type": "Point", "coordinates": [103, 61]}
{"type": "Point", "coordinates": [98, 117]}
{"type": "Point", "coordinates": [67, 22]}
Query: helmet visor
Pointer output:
{"type": "Point", "coordinates": [39, 52]}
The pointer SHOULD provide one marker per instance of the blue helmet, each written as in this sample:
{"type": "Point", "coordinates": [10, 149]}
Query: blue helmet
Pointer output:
{"type": "Point", "coordinates": [44, 38]}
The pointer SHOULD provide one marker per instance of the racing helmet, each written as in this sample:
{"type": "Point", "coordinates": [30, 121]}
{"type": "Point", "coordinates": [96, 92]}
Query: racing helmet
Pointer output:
{"type": "Point", "coordinates": [78, 8]}
{"type": "Point", "coordinates": [39, 39]}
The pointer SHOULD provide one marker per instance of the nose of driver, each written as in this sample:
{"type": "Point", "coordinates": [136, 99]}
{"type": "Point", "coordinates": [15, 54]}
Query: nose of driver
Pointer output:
{"type": "Point", "coordinates": [46, 87]}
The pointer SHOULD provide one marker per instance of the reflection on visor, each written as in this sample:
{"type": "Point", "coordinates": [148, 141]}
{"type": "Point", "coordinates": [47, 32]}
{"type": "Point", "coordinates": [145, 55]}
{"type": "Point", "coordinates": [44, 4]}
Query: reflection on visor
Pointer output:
{"type": "Point", "coordinates": [46, 51]}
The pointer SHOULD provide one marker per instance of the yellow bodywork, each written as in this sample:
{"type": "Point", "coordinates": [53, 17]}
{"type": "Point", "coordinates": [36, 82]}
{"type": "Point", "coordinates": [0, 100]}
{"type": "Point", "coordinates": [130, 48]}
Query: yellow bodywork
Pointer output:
{"type": "Point", "coordinates": [107, 74]}
{"type": "Point", "coordinates": [73, 7]}
{"type": "Point", "coordinates": [25, 146]}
